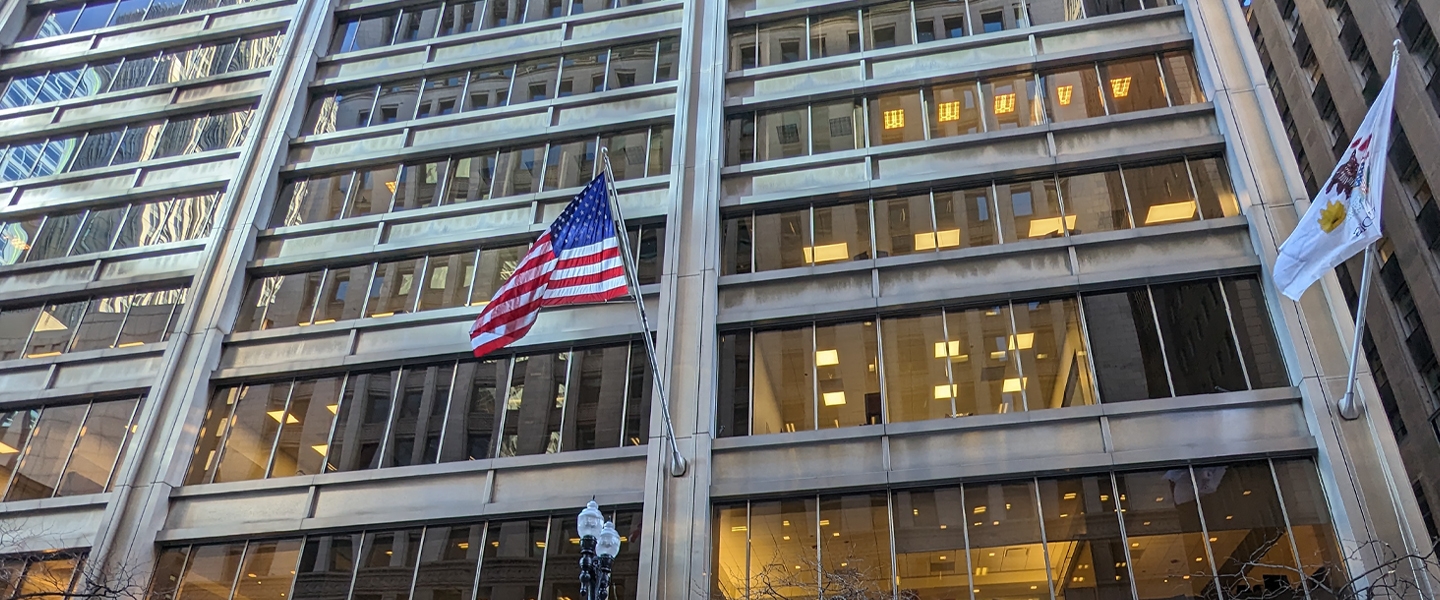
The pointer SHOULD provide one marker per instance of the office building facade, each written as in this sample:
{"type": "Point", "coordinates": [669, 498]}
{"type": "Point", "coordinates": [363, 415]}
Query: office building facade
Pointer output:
{"type": "Point", "coordinates": [952, 299]}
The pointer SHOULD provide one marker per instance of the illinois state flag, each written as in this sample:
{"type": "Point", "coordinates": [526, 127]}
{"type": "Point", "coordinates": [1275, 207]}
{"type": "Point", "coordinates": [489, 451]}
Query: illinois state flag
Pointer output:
{"type": "Point", "coordinates": [1345, 216]}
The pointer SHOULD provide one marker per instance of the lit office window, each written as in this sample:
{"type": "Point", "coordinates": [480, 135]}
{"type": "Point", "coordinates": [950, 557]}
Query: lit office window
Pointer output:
{"type": "Point", "coordinates": [1025, 355]}
{"type": "Point", "coordinates": [63, 450]}
{"type": "Point", "coordinates": [1021, 538]}
{"type": "Point", "coordinates": [97, 323]}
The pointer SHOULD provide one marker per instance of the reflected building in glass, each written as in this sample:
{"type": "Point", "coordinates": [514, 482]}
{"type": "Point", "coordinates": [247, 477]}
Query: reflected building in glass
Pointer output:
{"type": "Point", "coordinates": [953, 300]}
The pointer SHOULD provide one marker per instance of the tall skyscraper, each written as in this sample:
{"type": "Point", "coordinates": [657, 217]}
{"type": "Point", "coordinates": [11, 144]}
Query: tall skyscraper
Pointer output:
{"type": "Point", "coordinates": [1321, 87]}
{"type": "Point", "coordinates": [953, 299]}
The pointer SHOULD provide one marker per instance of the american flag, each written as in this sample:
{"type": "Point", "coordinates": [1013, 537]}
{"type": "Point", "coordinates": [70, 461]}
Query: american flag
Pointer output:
{"type": "Point", "coordinates": [576, 260]}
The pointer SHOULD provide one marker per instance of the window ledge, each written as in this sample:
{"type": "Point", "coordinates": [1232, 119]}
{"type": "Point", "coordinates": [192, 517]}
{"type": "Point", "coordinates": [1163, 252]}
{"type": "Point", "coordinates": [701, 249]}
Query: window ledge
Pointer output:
{"type": "Point", "coordinates": [179, 87]}
{"type": "Point", "coordinates": [1016, 247]}
{"type": "Point", "coordinates": [48, 264]}
{"type": "Point", "coordinates": [569, 458]}
{"type": "Point", "coordinates": [401, 321]}
{"type": "Point", "coordinates": [18, 507]}
{"type": "Point", "coordinates": [127, 168]}
{"type": "Point", "coordinates": [485, 114]}
{"type": "Point", "coordinates": [934, 145]}
{"type": "Point", "coordinates": [358, 8]}
{"type": "Point", "coordinates": [205, 16]}
{"type": "Point", "coordinates": [1284, 395]}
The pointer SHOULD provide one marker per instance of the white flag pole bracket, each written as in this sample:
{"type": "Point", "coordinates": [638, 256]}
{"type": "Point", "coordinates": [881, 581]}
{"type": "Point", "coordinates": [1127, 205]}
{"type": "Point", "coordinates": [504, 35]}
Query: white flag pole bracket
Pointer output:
{"type": "Point", "coordinates": [678, 465]}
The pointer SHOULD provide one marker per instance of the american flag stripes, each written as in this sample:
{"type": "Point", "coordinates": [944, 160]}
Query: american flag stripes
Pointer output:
{"type": "Point", "coordinates": [576, 260]}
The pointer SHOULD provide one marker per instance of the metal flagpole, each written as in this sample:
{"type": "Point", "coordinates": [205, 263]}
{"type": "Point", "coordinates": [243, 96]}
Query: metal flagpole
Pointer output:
{"type": "Point", "coordinates": [678, 465]}
{"type": "Point", "coordinates": [1349, 408]}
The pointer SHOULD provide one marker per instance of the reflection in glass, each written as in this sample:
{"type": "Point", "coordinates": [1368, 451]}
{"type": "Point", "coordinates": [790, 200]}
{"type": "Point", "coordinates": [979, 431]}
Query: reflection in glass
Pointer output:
{"type": "Point", "coordinates": [1073, 94]}
{"type": "Point", "coordinates": [43, 459]}
{"type": "Point", "coordinates": [301, 446]}
{"type": "Point", "coordinates": [1125, 346]}
{"type": "Point", "coordinates": [955, 109]}
{"type": "Point", "coordinates": [259, 413]}
{"type": "Point", "coordinates": [269, 570]}
{"type": "Point", "coordinates": [54, 329]}
{"type": "Point", "coordinates": [783, 381]}
{"type": "Point", "coordinates": [1096, 200]}
{"type": "Point", "coordinates": [1133, 84]}
{"type": "Point", "coordinates": [1031, 210]}
{"type": "Point", "coordinates": [1007, 556]}
{"type": "Point", "coordinates": [1082, 531]}
{"type": "Point", "coordinates": [1167, 543]}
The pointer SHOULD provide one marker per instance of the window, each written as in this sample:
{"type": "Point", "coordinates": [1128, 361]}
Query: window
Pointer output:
{"type": "Point", "coordinates": [944, 219]}
{"type": "Point", "coordinates": [378, 290]}
{"type": "Point", "coordinates": [1134, 84]}
{"type": "Point", "coordinates": [1024, 355]}
{"type": "Point", "coordinates": [397, 417]}
{"type": "Point", "coordinates": [896, 118]}
{"type": "Point", "coordinates": [1073, 94]}
{"type": "Point", "coordinates": [96, 14]}
{"type": "Point", "coordinates": [183, 134]}
{"type": "Point", "coordinates": [466, 178]}
{"type": "Point", "coordinates": [49, 574]}
{"type": "Point", "coordinates": [63, 450]}
{"type": "Point", "coordinates": [60, 327]}
{"type": "Point", "coordinates": [997, 537]}
{"type": "Point", "coordinates": [951, 109]}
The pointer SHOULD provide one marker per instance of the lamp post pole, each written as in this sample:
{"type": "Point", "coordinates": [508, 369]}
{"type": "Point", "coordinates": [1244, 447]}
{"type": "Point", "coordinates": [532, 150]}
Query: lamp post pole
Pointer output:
{"type": "Point", "coordinates": [599, 542]}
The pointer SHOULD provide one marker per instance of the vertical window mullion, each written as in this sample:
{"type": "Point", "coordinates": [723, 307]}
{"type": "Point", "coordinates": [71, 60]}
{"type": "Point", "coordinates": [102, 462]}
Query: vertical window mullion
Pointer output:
{"type": "Point", "coordinates": [309, 319]}
{"type": "Point", "coordinates": [1039, 99]}
{"type": "Point", "coordinates": [479, 560]}
{"type": "Point", "coordinates": [980, 94]}
{"type": "Point", "coordinates": [24, 349]}
{"type": "Point", "coordinates": [545, 555]}
{"type": "Point", "coordinates": [1040, 517]}
{"type": "Point", "coordinates": [1205, 531]}
{"type": "Point", "coordinates": [474, 274]}
{"type": "Point", "coordinates": [1160, 337]}
{"type": "Point", "coordinates": [279, 431]}
{"type": "Point", "coordinates": [73, 444]}
{"type": "Point", "coordinates": [417, 288]}
{"type": "Point", "coordinates": [914, 30]}
{"type": "Point", "coordinates": [1285, 514]}
{"type": "Point", "coordinates": [1234, 333]}
{"type": "Point", "coordinates": [244, 553]}
{"type": "Point", "coordinates": [1194, 192]}
{"type": "Point", "coordinates": [894, 567]}
{"type": "Point", "coordinates": [129, 434]}
{"type": "Point", "coordinates": [995, 210]}
{"type": "Point", "coordinates": [1089, 359]}
{"type": "Point", "coordinates": [934, 225]}
{"type": "Point", "coordinates": [503, 408]}
{"type": "Point", "coordinates": [1164, 88]}
{"type": "Point", "coordinates": [1129, 206]}
{"type": "Point", "coordinates": [809, 135]}
{"type": "Point", "coordinates": [1015, 355]}
{"type": "Point", "coordinates": [951, 387]}
{"type": "Point", "coordinates": [625, 394]}
{"type": "Point", "coordinates": [1100, 88]}
{"type": "Point", "coordinates": [814, 376]}
{"type": "Point", "coordinates": [370, 285]}
{"type": "Point", "coordinates": [965, 529]}
{"type": "Point", "coordinates": [345, 383]}
{"type": "Point", "coordinates": [1064, 212]}
{"type": "Point", "coordinates": [425, 532]}
{"type": "Point", "coordinates": [804, 43]}
{"type": "Point", "coordinates": [750, 426]}
{"type": "Point", "coordinates": [395, 387]}
{"type": "Point", "coordinates": [1124, 536]}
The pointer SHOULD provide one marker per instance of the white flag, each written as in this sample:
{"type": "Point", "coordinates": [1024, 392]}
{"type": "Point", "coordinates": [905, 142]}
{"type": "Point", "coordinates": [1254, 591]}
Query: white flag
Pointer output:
{"type": "Point", "coordinates": [1345, 216]}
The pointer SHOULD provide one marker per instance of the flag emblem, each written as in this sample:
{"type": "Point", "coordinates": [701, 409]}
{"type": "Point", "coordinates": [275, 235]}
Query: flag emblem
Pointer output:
{"type": "Point", "coordinates": [1332, 216]}
{"type": "Point", "coordinates": [1344, 217]}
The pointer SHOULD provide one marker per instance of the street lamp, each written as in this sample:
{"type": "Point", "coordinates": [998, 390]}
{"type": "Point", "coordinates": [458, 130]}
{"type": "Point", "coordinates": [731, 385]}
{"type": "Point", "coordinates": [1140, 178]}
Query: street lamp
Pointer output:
{"type": "Point", "coordinates": [597, 537]}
